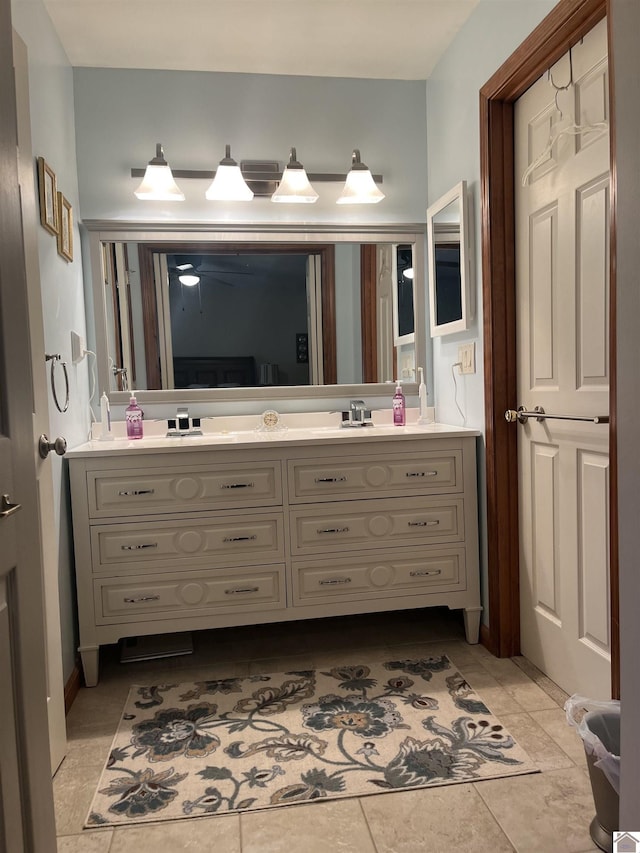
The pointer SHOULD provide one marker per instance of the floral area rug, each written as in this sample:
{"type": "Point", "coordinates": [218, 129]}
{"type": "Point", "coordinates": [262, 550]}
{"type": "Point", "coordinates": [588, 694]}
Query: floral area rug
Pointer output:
{"type": "Point", "coordinates": [234, 744]}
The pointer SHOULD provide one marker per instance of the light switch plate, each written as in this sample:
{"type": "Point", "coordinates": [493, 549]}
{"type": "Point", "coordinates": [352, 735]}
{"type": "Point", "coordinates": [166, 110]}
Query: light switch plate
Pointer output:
{"type": "Point", "coordinates": [467, 358]}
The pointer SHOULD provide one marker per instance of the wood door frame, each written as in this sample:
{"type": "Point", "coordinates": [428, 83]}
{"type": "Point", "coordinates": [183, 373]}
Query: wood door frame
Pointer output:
{"type": "Point", "coordinates": [150, 309]}
{"type": "Point", "coordinates": [369, 312]}
{"type": "Point", "coordinates": [565, 25]}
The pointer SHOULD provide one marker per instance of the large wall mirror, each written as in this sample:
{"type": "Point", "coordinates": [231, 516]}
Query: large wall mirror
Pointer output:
{"type": "Point", "coordinates": [449, 253]}
{"type": "Point", "coordinates": [259, 313]}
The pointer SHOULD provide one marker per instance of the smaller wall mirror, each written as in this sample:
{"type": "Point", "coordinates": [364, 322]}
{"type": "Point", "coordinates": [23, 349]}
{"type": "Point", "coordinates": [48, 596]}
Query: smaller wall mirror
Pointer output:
{"type": "Point", "coordinates": [449, 254]}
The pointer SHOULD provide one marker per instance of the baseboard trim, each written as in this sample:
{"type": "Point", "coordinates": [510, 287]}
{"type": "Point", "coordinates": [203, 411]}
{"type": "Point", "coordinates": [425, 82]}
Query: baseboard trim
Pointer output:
{"type": "Point", "coordinates": [72, 687]}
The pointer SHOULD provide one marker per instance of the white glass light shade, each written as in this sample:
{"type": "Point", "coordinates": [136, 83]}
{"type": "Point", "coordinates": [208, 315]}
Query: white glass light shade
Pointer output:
{"type": "Point", "coordinates": [359, 188]}
{"type": "Point", "coordinates": [228, 183]}
{"type": "Point", "coordinates": [158, 183]}
{"type": "Point", "coordinates": [189, 280]}
{"type": "Point", "coordinates": [408, 273]}
{"type": "Point", "coordinates": [294, 187]}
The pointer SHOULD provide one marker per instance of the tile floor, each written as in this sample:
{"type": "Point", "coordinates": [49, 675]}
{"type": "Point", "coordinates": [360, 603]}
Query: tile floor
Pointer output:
{"type": "Point", "coordinates": [546, 812]}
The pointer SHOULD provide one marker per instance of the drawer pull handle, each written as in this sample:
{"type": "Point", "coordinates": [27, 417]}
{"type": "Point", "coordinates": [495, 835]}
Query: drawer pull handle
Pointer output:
{"type": "Point", "coordinates": [138, 547]}
{"type": "Point", "coordinates": [333, 530]}
{"type": "Point", "coordinates": [424, 573]}
{"type": "Point", "coordinates": [421, 474]}
{"type": "Point", "coordinates": [239, 538]}
{"type": "Point", "coordinates": [331, 479]}
{"type": "Point", "coordinates": [141, 598]}
{"type": "Point", "coordinates": [241, 589]}
{"type": "Point", "coordinates": [423, 523]}
{"type": "Point", "coordinates": [133, 492]}
{"type": "Point", "coordinates": [333, 581]}
{"type": "Point", "coordinates": [237, 485]}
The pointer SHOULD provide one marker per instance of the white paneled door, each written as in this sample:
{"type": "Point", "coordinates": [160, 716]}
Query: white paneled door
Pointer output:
{"type": "Point", "coordinates": [38, 387]}
{"type": "Point", "coordinates": [562, 266]}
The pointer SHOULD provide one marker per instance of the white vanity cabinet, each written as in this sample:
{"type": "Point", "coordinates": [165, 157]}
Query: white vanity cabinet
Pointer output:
{"type": "Point", "coordinates": [176, 536]}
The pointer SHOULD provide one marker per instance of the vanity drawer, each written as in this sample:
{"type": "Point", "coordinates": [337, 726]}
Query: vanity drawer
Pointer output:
{"type": "Point", "coordinates": [328, 479]}
{"type": "Point", "coordinates": [376, 524]}
{"type": "Point", "coordinates": [195, 593]}
{"type": "Point", "coordinates": [223, 540]}
{"type": "Point", "coordinates": [145, 491]}
{"type": "Point", "coordinates": [378, 576]}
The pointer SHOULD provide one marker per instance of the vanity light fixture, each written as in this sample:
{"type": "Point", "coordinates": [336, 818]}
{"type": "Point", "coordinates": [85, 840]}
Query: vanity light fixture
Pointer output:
{"type": "Point", "coordinates": [189, 280]}
{"type": "Point", "coordinates": [228, 183]}
{"type": "Point", "coordinates": [261, 178]}
{"type": "Point", "coordinates": [294, 187]}
{"type": "Point", "coordinates": [158, 183]}
{"type": "Point", "coordinates": [360, 187]}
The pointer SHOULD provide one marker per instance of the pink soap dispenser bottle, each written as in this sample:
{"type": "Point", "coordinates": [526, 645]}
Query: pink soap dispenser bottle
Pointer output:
{"type": "Point", "coordinates": [399, 406]}
{"type": "Point", "coordinates": [133, 416]}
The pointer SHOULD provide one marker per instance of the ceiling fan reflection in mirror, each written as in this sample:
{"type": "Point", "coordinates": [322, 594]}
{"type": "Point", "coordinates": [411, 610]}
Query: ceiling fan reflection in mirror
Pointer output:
{"type": "Point", "coordinates": [235, 269]}
{"type": "Point", "coordinates": [191, 270]}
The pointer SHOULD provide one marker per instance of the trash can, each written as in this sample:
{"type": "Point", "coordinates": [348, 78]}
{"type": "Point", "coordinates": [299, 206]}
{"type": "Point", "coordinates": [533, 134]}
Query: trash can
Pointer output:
{"type": "Point", "coordinates": [599, 729]}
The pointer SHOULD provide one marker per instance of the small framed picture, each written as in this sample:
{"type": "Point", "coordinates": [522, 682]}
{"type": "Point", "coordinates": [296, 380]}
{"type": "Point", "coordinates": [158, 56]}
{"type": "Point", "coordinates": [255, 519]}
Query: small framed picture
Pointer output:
{"type": "Point", "coordinates": [65, 228]}
{"type": "Point", "coordinates": [48, 196]}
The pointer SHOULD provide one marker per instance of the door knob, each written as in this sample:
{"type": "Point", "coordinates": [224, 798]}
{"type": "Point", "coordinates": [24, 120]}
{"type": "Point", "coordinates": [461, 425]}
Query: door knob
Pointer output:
{"type": "Point", "coordinates": [511, 416]}
{"type": "Point", "coordinates": [45, 446]}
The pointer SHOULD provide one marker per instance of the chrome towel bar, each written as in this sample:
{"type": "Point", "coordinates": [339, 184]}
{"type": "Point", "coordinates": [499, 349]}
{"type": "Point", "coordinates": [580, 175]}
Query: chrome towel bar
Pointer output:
{"type": "Point", "coordinates": [522, 416]}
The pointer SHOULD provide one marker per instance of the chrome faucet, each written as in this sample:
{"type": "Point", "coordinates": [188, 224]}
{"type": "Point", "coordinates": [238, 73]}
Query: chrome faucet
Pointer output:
{"type": "Point", "coordinates": [357, 416]}
{"type": "Point", "coordinates": [183, 424]}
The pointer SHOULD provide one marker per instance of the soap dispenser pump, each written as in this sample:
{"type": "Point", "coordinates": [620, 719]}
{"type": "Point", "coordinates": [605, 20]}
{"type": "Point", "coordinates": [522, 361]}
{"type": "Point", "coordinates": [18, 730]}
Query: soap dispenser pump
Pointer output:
{"type": "Point", "coordinates": [399, 406]}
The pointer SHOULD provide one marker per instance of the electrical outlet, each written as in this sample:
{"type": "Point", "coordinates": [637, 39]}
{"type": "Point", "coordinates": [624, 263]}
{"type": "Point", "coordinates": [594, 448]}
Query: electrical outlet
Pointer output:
{"type": "Point", "coordinates": [77, 347]}
{"type": "Point", "coordinates": [467, 358]}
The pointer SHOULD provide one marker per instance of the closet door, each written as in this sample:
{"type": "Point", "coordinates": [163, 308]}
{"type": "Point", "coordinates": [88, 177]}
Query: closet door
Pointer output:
{"type": "Point", "coordinates": [562, 282]}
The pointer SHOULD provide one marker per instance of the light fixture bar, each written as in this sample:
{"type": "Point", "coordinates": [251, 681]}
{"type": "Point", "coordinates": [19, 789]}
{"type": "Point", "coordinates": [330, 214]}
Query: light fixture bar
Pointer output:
{"type": "Point", "coordinates": [253, 175]}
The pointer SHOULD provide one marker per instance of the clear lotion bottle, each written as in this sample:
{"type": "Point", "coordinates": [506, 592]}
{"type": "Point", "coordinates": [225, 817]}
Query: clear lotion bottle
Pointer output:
{"type": "Point", "coordinates": [399, 407]}
{"type": "Point", "coordinates": [133, 418]}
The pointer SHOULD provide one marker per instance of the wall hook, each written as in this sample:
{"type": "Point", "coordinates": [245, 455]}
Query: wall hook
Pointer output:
{"type": "Point", "coordinates": [564, 88]}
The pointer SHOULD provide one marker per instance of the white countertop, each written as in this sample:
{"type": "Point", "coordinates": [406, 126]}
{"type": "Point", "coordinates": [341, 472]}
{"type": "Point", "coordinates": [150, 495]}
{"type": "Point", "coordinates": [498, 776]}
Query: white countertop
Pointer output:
{"type": "Point", "coordinates": [318, 434]}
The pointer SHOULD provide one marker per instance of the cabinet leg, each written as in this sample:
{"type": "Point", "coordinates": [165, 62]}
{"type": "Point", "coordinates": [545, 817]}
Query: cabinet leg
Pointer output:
{"type": "Point", "coordinates": [90, 656]}
{"type": "Point", "coordinates": [472, 624]}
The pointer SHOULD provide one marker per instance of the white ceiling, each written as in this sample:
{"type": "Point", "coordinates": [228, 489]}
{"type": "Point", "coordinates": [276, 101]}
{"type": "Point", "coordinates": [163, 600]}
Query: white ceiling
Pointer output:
{"type": "Point", "coordinates": [393, 39]}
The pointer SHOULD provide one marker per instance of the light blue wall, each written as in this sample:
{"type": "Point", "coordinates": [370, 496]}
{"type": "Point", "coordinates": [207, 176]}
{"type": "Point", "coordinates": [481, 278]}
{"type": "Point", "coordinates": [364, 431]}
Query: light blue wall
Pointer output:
{"type": "Point", "coordinates": [122, 114]}
{"type": "Point", "coordinates": [491, 34]}
{"type": "Point", "coordinates": [53, 137]}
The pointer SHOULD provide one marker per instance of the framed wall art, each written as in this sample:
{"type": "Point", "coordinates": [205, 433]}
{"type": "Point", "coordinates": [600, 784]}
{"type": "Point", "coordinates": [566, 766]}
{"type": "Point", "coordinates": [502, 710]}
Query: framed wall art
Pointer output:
{"type": "Point", "coordinates": [48, 196]}
{"type": "Point", "coordinates": [65, 228]}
